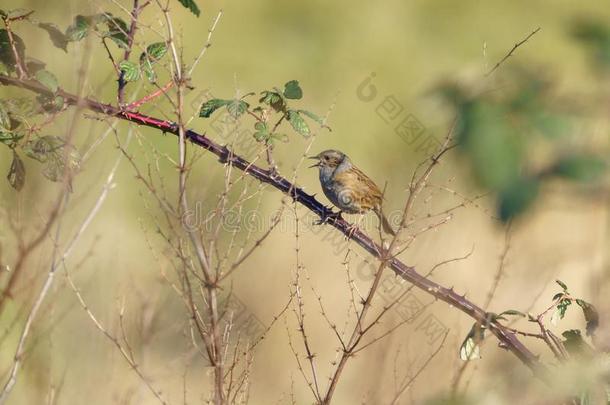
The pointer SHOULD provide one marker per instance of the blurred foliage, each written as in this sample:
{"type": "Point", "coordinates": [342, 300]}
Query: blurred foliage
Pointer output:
{"type": "Point", "coordinates": [595, 34]}
{"type": "Point", "coordinates": [497, 132]}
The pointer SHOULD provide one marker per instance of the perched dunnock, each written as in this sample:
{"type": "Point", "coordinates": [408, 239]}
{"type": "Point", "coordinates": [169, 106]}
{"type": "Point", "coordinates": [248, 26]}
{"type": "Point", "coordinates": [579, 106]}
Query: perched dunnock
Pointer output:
{"type": "Point", "coordinates": [347, 187]}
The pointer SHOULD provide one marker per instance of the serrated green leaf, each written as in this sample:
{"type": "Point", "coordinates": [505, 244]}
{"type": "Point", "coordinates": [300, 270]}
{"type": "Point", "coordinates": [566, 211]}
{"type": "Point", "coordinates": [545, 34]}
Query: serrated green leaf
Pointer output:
{"type": "Point", "coordinates": [58, 38]}
{"type": "Point", "coordinates": [562, 285]}
{"type": "Point", "coordinates": [7, 55]}
{"type": "Point", "coordinates": [155, 51]}
{"type": "Point", "coordinates": [581, 167]}
{"type": "Point", "coordinates": [131, 71]}
{"type": "Point", "coordinates": [560, 310]}
{"type": "Point", "coordinates": [274, 99]}
{"type": "Point", "coordinates": [117, 31]}
{"type": "Point", "coordinates": [47, 79]}
{"type": "Point", "coordinates": [237, 107]}
{"type": "Point", "coordinates": [191, 5]}
{"type": "Point", "coordinates": [212, 105]}
{"type": "Point", "coordinates": [16, 173]}
{"type": "Point", "coordinates": [298, 123]}
{"type": "Point", "coordinates": [292, 90]}
{"type": "Point", "coordinates": [262, 131]}
{"type": "Point", "coordinates": [79, 28]}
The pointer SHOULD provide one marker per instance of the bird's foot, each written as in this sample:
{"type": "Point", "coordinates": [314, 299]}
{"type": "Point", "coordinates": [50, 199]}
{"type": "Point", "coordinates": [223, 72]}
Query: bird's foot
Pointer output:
{"type": "Point", "coordinates": [329, 214]}
{"type": "Point", "coordinates": [351, 230]}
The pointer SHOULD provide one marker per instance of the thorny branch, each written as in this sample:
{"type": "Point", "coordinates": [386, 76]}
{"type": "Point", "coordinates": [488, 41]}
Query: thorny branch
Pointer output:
{"type": "Point", "coordinates": [507, 338]}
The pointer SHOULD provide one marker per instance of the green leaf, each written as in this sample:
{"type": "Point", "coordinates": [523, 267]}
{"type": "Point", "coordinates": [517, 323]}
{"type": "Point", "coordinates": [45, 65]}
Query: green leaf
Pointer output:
{"type": "Point", "coordinates": [292, 90]}
{"type": "Point", "coordinates": [79, 28]}
{"type": "Point", "coordinates": [7, 55]}
{"type": "Point", "coordinates": [517, 197]}
{"type": "Point", "coordinates": [298, 123]}
{"type": "Point", "coordinates": [212, 105]}
{"type": "Point", "coordinates": [493, 146]}
{"type": "Point", "coordinates": [237, 107]}
{"type": "Point", "coordinates": [262, 131]}
{"type": "Point", "coordinates": [191, 5]}
{"type": "Point", "coordinates": [562, 285]}
{"type": "Point", "coordinates": [41, 148]}
{"type": "Point", "coordinates": [581, 167]}
{"type": "Point", "coordinates": [148, 70]}
{"type": "Point", "coordinates": [117, 31]}
{"type": "Point", "coordinates": [50, 103]}
{"type": "Point", "coordinates": [10, 139]}
{"type": "Point", "coordinates": [274, 99]}
{"type": "Point", "coordinates": [16, 174]}
{"type": "Point", "coordinates": [131, 71]}
{"type": "Point", "coordinates": [596, 35]}
{"type": "Point", "coordinates": [155, 51]}
{"type": "Point", "coordinates": [19, 108]}
{"type": "Point", "coordinates": [47, 79]}
{"type": "Point", "coordinates": [313, 116]}
{"type": "Point", "coordinates": [5, 120]}
{"type": "Point", "coordinates": [591, 316]}
{"type": "Point", "coordinates": [54, 153]}
{"type": "Point", "coordinates": [469, 350]}
{"type": "Point", "coordinates": [560, 310]}
{"type": "Point", "coordinates": [58, 38]}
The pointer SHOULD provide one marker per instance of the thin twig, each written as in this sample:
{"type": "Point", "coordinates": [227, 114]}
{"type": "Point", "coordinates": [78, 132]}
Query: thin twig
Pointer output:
{"type": "Point", "coordinates": [510, 53]}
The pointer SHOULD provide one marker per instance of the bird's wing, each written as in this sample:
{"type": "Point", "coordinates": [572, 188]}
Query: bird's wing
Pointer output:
{"type": "Point", "coordinates": [363, 188]}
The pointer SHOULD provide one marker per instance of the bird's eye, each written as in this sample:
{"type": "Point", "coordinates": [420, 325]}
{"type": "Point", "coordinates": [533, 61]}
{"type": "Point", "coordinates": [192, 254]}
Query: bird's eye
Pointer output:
{"type": "Point", "coordinates": [325, 157]}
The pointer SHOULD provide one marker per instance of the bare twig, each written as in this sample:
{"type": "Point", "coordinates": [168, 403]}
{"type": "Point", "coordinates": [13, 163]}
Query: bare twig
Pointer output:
{"type": "Point", "coordinates": [510, 53]}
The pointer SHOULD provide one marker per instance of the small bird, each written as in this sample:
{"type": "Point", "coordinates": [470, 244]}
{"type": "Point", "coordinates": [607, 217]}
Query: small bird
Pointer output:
{"type": "Point", "coordinates": [347, 187]}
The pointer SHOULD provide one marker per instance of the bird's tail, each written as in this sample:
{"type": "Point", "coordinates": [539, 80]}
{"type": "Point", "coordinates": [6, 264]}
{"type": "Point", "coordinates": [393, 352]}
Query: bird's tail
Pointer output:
{"type": "Point", "coordinates": [385, 224]}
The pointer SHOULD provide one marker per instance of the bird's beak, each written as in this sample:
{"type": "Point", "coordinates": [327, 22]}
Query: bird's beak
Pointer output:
{"type": "Point", "coordinates": [315, 164]}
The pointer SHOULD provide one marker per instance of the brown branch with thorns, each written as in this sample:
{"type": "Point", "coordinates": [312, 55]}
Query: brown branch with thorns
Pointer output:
{"type": "Point", "coordinates": [507, 338]}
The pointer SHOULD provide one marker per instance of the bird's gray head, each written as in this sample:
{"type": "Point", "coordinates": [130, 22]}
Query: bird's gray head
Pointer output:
{"type": "Point", "coordinates": [329, 161]}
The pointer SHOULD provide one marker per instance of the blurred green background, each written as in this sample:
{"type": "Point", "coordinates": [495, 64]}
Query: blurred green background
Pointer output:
{"type": "Point", "coordinates": [332, 48]}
